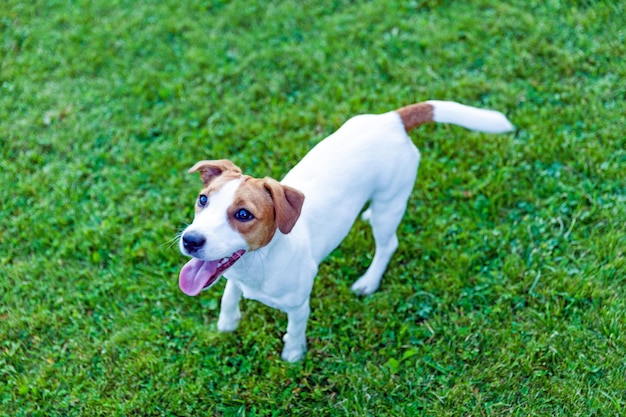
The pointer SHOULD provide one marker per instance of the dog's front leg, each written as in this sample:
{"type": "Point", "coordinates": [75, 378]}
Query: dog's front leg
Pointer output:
{"type": "Point", "coordinates": [229, 311]}
{"type": "Point", "coordinates": [295, 338]}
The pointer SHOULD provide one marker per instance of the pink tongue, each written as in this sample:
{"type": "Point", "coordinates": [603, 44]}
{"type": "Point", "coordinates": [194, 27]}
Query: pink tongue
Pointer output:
{"type": "Point", "coordinates": [195, 275]}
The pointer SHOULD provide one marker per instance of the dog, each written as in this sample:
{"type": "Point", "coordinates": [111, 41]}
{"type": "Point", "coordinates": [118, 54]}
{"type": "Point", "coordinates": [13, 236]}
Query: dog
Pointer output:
{"type": "Point", "coordinates": [268, 237]}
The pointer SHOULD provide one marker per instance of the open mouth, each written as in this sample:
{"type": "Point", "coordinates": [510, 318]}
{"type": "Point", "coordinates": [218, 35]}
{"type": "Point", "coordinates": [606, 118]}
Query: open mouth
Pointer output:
{"type": "Point", "coordinates": [197, 274]}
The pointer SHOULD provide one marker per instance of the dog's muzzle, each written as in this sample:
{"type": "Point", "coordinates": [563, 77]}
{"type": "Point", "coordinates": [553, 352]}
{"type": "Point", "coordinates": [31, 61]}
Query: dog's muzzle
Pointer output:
{"type": "Point", "coordinates": [192, 242]}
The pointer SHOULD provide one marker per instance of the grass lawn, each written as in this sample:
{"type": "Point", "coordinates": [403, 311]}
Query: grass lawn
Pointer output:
{"type": "Point", "coordinates": [507, 296]}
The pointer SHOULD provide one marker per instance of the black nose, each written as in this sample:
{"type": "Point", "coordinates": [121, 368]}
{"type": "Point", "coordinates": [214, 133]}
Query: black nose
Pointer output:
{"type": "Point", "coordinates": [193, 241]}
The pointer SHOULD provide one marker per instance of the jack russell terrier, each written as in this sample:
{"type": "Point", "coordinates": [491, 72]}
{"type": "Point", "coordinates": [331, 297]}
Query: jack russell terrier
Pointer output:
{"type": "Point", "coordinates": [268, 237]}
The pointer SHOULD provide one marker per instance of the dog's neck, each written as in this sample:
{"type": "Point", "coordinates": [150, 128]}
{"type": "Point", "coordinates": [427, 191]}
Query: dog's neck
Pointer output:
{"type": "Point", "coordinates": [252, 267]}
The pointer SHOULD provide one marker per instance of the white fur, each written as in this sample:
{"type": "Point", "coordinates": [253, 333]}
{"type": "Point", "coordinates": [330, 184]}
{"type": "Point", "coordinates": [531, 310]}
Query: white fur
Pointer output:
{"type": "Point", "coordinates": [369, 159]}
{"type": "Point", "coordinates": [489, 121]}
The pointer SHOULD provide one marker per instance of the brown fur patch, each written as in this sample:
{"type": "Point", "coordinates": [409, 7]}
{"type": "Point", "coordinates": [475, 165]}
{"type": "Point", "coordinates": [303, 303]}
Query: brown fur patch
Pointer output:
{"type": "Point", "coordinates": [210, 170]}
{"type": "Point", "coordinates": [215, 184]}
{"type": "Point", "coordinates": [287, 202]}
{"type": "Point", "coordinates": [416, 114]}
{"type": "Point", "coordinates": [254, 197]}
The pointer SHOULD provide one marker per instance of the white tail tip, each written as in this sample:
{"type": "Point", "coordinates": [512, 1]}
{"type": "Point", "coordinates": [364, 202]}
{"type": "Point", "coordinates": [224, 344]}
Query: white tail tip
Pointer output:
{"type": "Point", "coordinates": [482, 120]}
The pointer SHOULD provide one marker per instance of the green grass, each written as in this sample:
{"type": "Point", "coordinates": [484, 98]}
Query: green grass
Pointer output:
{"type": "Point", "coordinates": [506, 297]}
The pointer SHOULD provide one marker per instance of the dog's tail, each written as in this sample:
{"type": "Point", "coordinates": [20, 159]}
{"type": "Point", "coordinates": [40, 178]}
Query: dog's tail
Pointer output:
{"type": "Point", "coordinates": [489, 121]}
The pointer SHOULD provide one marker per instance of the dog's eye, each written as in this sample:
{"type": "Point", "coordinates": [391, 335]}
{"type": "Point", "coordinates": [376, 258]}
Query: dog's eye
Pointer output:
{"type": "Point", "coordinates": [243, 215]}
{"type": "Point", "coordinates": [202, 200]}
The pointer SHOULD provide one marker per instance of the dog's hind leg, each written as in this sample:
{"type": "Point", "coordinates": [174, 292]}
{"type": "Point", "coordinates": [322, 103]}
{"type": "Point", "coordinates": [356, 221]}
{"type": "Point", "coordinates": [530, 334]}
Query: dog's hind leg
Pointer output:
{"type": "Point", "coordinates": [384, 217]}
{"type": "Point", "coordinates": [229, 311]}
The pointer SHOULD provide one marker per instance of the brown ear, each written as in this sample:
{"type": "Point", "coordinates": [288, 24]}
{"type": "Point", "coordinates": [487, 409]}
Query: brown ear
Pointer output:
{"type": "Point", "coordinates": [287, 204]}
{"type": "Point", "coordinates": [211, 169]}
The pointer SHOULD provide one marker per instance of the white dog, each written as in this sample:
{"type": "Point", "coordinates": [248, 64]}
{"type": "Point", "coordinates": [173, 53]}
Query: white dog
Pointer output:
{"type": "Point", "coordinates": [268, 237]}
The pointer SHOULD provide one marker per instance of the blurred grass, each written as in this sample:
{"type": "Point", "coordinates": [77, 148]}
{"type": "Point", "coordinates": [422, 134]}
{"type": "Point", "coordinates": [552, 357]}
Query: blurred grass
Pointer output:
{"type": "Point", "coordinates": [506, 296]}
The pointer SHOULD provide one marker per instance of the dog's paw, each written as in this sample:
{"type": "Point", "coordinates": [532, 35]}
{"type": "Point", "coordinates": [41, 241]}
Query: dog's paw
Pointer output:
{"type": "Point", "coordinates": [294, 350]}
{"type": "Point", "coordinates": [365, 286]}
{"type": "Point", "coordinates": [228, 324]}
{"type": "Point", "coordinates": [292, 354]}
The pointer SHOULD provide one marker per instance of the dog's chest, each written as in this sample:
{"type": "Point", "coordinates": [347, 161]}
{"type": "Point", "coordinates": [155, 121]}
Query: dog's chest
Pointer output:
{"type": "Point", "coordinates": [283, 285]}
{"type": "Point", "coordinates": [274, 300]}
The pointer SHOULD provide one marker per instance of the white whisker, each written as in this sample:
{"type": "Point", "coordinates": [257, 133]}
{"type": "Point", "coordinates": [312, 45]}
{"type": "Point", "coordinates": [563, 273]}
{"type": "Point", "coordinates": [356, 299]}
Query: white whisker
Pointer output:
{"type": "Point", "coordinates": [173, 241]}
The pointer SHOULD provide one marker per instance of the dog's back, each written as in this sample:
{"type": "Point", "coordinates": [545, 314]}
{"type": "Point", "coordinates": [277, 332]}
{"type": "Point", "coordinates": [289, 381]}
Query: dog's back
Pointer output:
{"type": "Point", "coordinates": [371, 157]}
{"type": "Point", "coordinates": [368, 156]}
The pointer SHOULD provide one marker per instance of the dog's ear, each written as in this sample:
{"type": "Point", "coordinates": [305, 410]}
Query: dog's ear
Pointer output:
{"type": "Point", "coordinates": [211, 169]}
{"type": "Point", "coordinates": [287, 204]}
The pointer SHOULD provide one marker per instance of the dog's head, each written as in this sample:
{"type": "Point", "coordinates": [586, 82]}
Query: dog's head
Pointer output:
{"type": "Point", "coordinates": [235, 213]}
